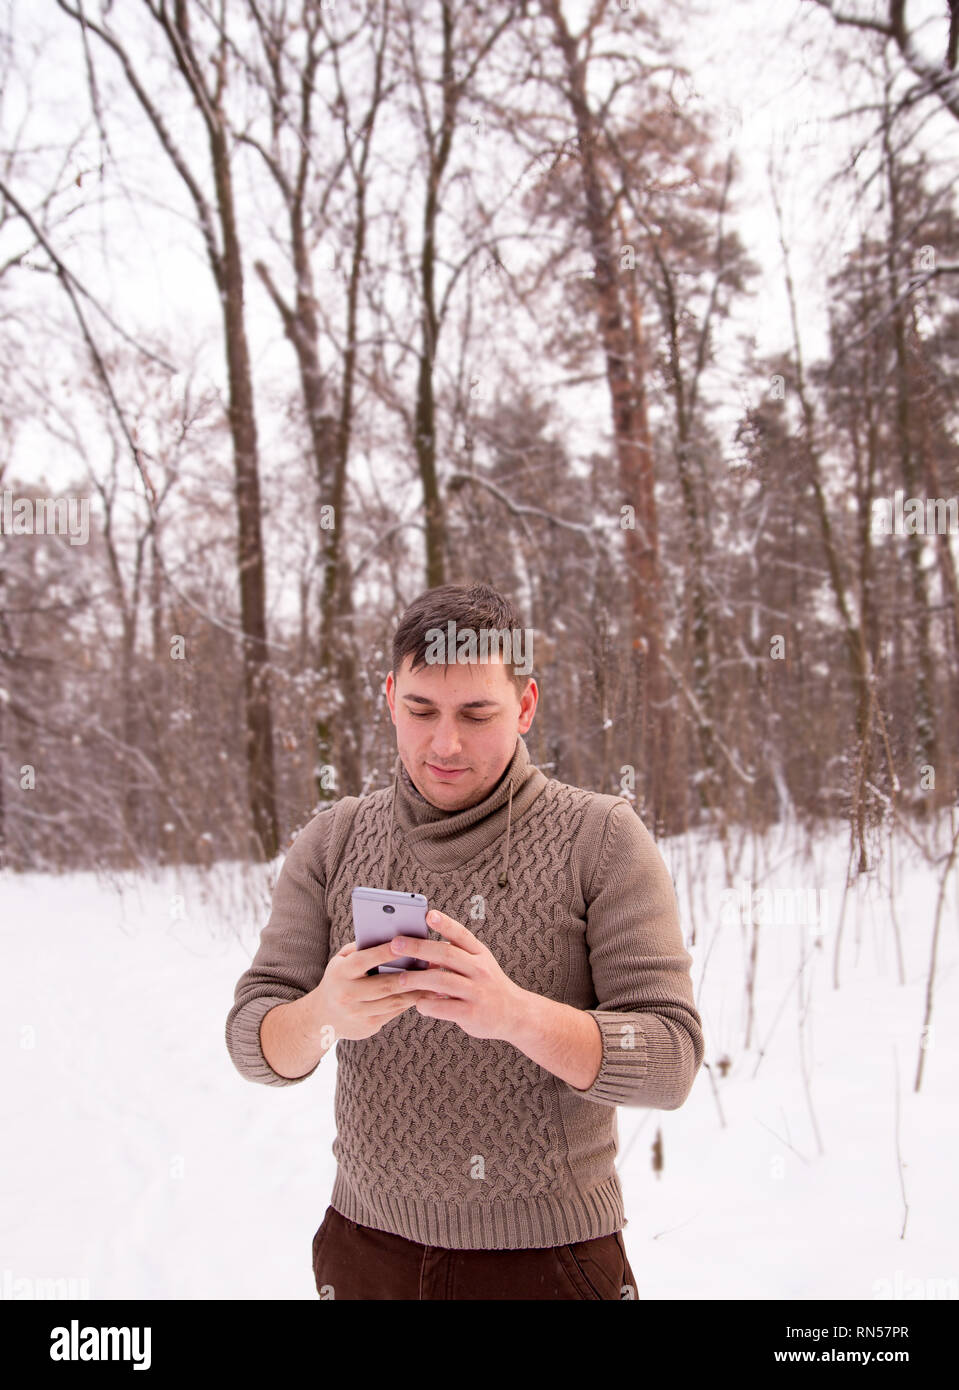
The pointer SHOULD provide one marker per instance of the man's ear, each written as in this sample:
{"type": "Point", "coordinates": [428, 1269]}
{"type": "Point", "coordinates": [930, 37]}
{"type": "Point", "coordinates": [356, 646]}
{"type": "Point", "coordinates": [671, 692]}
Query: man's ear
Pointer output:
{"type": "Point", "coordinates": [389, 689]}
{"type": "Point", "coordinates": [528, 704]}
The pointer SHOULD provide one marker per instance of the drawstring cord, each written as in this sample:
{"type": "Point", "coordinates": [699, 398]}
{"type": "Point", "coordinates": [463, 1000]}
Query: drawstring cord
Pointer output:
{"type": "Point", "coordinates": [504, 872]}
{"type": "Point", "coordinates": [389, 841]}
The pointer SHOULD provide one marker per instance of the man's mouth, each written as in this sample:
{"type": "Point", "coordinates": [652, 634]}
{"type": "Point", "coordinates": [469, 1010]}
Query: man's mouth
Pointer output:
{"type": "Point", "coordinates": [446, 772]}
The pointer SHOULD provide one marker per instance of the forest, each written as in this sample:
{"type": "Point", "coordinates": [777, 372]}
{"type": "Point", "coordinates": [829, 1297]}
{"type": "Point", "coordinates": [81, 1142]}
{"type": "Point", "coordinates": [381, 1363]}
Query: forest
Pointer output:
{"type": "Point", "coordinates": [308, 305]}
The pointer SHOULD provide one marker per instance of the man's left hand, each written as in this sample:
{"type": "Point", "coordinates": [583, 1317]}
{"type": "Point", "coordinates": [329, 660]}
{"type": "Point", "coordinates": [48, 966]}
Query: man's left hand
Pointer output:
{"type": "Point", "coordinates": [471, 989]}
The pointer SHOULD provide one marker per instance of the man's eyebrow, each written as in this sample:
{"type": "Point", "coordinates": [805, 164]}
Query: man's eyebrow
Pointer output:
{"type": "Point", "coordinates": [470, 704]}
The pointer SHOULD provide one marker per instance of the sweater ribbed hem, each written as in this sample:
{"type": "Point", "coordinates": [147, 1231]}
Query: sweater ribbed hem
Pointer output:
{"type": "Point", "coordinates": [625, 1063]}
{"type": "Point", "coordinates": [521, 1224]}
{"type": "Point", "coordinates": [245, 1047]}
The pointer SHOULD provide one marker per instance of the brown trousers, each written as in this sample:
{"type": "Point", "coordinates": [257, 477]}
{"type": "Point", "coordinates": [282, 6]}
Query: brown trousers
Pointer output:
{"type": "Point", "coordinates": [358, 1262]}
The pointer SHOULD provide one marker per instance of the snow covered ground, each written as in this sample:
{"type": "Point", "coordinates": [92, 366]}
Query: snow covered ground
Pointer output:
{"type": "Point", "coordinates": [139, 1164]}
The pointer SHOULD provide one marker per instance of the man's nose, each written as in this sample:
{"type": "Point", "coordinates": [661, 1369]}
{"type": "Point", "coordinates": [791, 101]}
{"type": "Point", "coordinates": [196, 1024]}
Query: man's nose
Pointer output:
{"type": "Point", "coordinates": [446, 741]}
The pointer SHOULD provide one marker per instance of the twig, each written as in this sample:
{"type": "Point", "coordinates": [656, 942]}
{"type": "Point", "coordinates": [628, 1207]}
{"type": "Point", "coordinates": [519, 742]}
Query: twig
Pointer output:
{"type": "Point", "coordinates": [802, 1051]}
{"type": "Point", "coordinates": [842, 912]}
{"type": "Point", "coordinates": [932, 962]}
{"type": "Point", "coordinates": [902, 1181]}
{"type": "Point", "coordinates": [789, 1146]}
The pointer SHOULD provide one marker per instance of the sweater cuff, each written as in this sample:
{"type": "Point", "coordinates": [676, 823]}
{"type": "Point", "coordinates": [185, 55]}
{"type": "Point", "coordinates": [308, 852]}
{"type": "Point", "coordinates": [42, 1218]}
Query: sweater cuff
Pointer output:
{"type": "Point", "coordinates": [625, 1063]}
{"type": "Point", "coordinates": [245, 1048]}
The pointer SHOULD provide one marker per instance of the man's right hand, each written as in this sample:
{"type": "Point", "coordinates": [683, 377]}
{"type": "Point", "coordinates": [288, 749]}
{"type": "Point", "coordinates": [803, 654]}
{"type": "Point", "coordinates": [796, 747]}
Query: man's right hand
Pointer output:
{"type": "Point", "coordinates": [354, 1004]}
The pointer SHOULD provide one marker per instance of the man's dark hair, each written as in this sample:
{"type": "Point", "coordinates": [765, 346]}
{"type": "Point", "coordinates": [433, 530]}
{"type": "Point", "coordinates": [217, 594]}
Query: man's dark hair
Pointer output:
{"type": "Point", "coordinates": [472, 606]}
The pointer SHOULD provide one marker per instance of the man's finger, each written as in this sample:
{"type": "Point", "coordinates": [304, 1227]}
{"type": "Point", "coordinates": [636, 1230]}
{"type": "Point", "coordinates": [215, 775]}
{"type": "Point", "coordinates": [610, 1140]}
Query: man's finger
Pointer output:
{"type": "Point", "coordinates": [438, 955]}
{"type": "Point", "coordinates": [369, 957]}
{"type": "Point", "coordinates": [454, 931]}
{"type": "Point", "coordinates": [430, 983]}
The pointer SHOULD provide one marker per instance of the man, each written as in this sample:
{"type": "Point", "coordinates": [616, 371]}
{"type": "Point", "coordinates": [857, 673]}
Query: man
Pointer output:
{"type": "Point", "coordinates": [475, 1099]}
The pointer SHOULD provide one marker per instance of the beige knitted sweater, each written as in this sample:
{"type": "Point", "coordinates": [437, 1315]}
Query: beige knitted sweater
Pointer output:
{"type": "Point", "coordinates": [465, 1142]}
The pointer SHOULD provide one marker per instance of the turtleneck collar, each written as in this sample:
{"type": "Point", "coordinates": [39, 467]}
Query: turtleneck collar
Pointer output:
{"type": "Point", "coordinates": [430, 831]}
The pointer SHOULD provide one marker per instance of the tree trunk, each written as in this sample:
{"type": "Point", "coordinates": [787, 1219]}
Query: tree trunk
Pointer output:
{"type": "Point", "coordinates": [926, 729]}
{"type": "Point", "coordinates": [631, 435]}
{"type": "Point", "coordinates": [256, 691]}
{"type": "Point", "coordinates": [425, 414]}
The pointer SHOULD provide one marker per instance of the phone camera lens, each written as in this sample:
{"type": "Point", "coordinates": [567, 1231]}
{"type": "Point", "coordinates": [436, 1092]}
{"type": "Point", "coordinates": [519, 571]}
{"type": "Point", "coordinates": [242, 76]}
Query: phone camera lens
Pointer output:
{"type": "Point", "coordinates": [388, 907]}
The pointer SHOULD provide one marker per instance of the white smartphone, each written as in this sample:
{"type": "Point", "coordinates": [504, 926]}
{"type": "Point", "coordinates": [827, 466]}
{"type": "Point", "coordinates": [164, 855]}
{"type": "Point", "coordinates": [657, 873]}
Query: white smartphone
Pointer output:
{"type": "Point", "coordinates": [379, 914]}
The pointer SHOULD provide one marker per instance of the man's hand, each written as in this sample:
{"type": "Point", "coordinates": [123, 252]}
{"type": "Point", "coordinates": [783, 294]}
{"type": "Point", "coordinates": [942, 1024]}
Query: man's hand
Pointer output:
{"type": "Point", "coordinates": [354, 1004]}
{"type": "Point", "coordinates": [464, 982]}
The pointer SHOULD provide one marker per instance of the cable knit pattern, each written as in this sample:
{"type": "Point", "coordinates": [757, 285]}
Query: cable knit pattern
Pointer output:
{"type": "Point", "coordinates": [464, 1142]}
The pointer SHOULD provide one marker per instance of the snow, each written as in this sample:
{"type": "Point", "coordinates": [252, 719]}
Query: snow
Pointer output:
{"type": "Point", "coordinates": [141, 1162]}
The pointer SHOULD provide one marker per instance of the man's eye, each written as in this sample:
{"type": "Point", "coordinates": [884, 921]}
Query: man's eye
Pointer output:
{"type": "Point", "coordinates": [473, 719]}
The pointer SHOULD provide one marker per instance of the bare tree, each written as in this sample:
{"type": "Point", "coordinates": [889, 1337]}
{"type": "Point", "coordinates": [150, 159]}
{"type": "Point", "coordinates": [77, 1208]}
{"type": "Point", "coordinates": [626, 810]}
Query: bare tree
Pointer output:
{"type": "Point", "coordinates": [938, 80]}
{"type": "Point", "coordinates": [296, 54]}
{"type": "Point", "coordinates": [204, 72]}
{"type": "Point", "coordinates": [468, 34]}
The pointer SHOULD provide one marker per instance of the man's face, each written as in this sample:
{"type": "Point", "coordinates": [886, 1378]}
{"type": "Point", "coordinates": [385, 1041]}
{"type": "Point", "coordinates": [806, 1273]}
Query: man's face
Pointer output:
{"type": "Point", "coordinates": [456, 727]}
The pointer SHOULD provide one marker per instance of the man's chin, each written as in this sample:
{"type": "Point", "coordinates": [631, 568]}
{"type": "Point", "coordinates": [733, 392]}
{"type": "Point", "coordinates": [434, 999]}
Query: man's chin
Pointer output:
{"type": "Point", "coordinates": [451, 793]}
{"type": "Point", "coordinates": [451, 786]}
